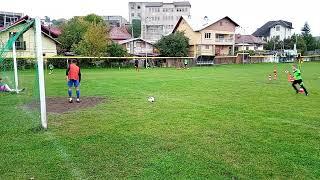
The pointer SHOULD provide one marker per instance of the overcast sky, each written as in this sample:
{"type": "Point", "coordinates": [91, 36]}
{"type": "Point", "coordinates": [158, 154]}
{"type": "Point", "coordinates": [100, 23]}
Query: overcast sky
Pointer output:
{"type": "Point", "coordinates": [250, 14]}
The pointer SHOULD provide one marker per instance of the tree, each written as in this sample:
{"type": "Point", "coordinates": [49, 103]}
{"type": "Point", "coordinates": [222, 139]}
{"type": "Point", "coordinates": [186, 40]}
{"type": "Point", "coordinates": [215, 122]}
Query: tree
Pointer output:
{"type": "Point", "coordinates": [58, 22]}
{"type": "Point", "coordinates": [136, 25]}
{"type": "Point", "coordinates": [73, 32]}
{"type": "Point", "coordinates": [173, 45]}
{"type": "Point", "coordinates": [306, 29]}
{"type": "Point", "coordinates": [274, 44]}
{"type": "Point", "coordinates": [94, 19]}
{"type": "Point", "coordinates": [94, 42]}
{"type": "Point", "coordinates": [135, 28]}
{"type": "Point", "coordinates": [310, 41]}
{"type": "Point", "coordinates": [116, 50]}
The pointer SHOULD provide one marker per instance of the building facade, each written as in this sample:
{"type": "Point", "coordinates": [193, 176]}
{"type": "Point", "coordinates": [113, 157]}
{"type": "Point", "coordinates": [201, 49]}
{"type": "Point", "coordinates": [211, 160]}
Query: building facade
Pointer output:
{"type": "Point", "coordinates": [25, 44]}
{"type": "Point", "coordinates": [115, 21]}
{"type": "Point", "coordinates": [274, 29]}
{"type": "Point", "coordinates": [7, 18]}
{"type": "Point", "coordinates": [157, 18]}
{"type": "Point", "coordinates": [139, 47]}
{"type": "Point", "coordinates": [248, 43]}
{"type": "Point", "coordinates": [207, 38]}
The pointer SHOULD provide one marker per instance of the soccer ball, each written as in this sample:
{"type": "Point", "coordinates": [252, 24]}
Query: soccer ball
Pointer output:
{"type": "Point", "coordinates": [151, 99]}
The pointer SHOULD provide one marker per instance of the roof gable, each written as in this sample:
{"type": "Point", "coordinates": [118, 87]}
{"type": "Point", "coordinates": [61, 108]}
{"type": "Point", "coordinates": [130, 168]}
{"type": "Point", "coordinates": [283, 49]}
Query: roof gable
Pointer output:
{"type": "Point", "coordinates": [45, 31]}
{"type": "Point", "coordinates": [248, 39]}
{"type": "Point", "coordinates": [134, 39]}
{"type": "Point", "coordinates": [265, 29]}
{"type": "Point", "coordinates": [197, 25]}
{"type": "Point", "coordinates": [119, 33]}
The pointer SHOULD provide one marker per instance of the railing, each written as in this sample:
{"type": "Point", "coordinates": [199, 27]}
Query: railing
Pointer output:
{"type": "Point", "coordinates": [223, 40]}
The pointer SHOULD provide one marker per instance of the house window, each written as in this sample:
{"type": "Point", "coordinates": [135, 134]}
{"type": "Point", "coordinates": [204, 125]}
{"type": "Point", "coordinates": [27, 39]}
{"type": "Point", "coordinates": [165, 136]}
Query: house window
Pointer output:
{"type": "Point", "coordinates": [20, 44]}
{"type": "Point", "coordinates": [221, 23]}
{"type": "Point", "coordinates": [132, 14]}
{"type": "Point", "coordinates": [207, 47]}
{"type": "Point", "coordinates": [207, 35]}
{"type": "Point", "coordinates": [139, 7]}
{"type": "Point", "coordinates": [278, 28]}
{"type": "Point", "coordinates": [139, 15]}
{"type": "Point", "coordinates": [132, 7]}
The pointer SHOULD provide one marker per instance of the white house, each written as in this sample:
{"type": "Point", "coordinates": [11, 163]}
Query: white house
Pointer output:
{"type": "Point", "coordinates": [274, 29]}
{"type": "Point", "coordinates": [248, 42]}
{"type": "Point", "coordinates": [138, 47]}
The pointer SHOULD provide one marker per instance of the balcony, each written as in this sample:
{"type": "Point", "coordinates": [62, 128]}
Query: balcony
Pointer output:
{"type": "Point", "coordinates": [224, 40]}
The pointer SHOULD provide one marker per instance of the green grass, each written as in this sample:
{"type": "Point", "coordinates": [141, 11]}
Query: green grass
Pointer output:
{"type": "Point", "coordinates": [214, 122]}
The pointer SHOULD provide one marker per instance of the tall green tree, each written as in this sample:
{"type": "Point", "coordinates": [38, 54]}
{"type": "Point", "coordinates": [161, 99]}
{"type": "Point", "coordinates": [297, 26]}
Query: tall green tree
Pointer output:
{"type": "Point", "coordinates": [136, 28]}
{"type": "Point", "coordinates": [308, 38]}
{"type": "Point", "coordinates": [173, 45]}
{"type": "Point", "coordinates": [95, 19]}
{"type": "Point", "coordinates": [305, 29]}
{"type": "Point", "coordinates": [94, 42]}
{"type": "Point", "coordinates": [74, 30]}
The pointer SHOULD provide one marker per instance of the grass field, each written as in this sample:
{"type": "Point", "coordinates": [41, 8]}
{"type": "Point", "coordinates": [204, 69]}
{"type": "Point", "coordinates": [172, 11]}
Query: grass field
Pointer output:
{"type": "Point", "coordinates": [218, 122]}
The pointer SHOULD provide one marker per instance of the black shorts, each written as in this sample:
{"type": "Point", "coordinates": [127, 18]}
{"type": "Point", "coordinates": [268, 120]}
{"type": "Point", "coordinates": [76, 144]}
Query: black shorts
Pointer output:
{"type": "Point", "coordinates": [298, 82]}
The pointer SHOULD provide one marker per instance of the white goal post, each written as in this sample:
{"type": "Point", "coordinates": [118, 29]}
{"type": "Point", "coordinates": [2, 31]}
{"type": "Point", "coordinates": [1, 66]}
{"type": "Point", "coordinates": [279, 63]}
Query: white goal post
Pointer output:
{"type": "Point", "coordinates": [39, 55]}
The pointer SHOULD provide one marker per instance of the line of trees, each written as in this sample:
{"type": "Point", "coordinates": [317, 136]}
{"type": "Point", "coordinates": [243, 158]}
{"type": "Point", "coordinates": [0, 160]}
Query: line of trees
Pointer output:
{"type": "Point", "coordinates": [88, 36]}
{"type": "Point", "coordinates": [305, 41]}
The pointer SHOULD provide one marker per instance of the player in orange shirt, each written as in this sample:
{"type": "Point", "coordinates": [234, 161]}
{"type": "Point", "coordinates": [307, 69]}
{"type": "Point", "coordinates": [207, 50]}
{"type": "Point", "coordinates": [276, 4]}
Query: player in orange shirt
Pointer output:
{"type": "Point", "coordinates": [73, 74]}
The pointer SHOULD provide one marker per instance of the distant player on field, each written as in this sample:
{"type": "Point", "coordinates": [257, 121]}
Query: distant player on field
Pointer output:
{"type": "Point", "coordinates": [73, 74]}
{"type": "Point", "coordinates": [51, 67]}
{"type": "Point", "coordinates": [298, 80]}
{"type": "Point", "coordinates": [136, 65]}
{"type": "Point", "coordinates": [185, 63]}
{"type": "Point", "coordinates": [5, 87]}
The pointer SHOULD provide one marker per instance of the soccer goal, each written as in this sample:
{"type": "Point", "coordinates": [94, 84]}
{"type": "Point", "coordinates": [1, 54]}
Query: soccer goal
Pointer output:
{"type": "Point", "coordinates": [18, 74]}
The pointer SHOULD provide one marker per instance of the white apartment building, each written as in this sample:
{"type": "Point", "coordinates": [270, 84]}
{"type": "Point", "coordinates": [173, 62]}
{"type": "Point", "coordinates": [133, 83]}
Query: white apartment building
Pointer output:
{"type": "Point", "coordinates": [157, 18]}
{"type": "Point", "coordinates": [7, 18]}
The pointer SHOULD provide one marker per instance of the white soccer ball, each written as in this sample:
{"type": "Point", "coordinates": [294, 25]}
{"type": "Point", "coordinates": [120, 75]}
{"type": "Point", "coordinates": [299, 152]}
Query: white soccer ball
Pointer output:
{"type": "Point", "coordinates": [151, 99]}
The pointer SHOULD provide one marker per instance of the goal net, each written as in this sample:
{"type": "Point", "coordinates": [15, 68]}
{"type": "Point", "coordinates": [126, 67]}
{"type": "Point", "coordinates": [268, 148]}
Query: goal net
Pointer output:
{"type": "Point", "coordinates": [22, 78]}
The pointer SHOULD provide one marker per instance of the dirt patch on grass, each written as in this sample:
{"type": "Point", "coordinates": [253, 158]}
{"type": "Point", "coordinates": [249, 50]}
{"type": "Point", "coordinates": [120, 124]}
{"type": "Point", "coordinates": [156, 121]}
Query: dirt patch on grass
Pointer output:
{"type": "Point", "coordinates": [60, 105]}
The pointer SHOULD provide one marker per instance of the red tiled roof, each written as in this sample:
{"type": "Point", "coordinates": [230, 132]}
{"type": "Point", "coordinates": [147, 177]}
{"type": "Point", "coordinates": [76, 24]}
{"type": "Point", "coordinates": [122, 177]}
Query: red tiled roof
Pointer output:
{"type": "Point", "coordinates": [119, 33]}
{"type": "Point", "coordinates": [54, 32]}
{"type": "Point", "coordinates": [248, 39]}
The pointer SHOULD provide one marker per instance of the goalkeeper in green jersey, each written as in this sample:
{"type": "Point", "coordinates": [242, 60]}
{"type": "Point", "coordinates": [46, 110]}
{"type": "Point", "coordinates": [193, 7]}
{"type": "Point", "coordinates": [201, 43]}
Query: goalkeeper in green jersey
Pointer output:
{"type": "Point", "coordinates": [298, 80]}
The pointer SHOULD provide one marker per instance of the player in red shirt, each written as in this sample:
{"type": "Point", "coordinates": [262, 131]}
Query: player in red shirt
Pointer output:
{"type": "Point", "coordinates": [73, 74]}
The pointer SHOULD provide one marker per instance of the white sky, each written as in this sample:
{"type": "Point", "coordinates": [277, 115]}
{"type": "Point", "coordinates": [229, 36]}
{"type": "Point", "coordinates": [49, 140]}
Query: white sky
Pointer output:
{"type": "Point", "coordinates": [250, 14]}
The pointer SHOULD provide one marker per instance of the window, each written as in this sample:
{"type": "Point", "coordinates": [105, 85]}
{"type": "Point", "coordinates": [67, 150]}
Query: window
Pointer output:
{"type": "Point", "coordinates": [132, 7]}
{"type": "Point", "coordinates": [277, 28]}
{"type": "Point", "coordinates": [221, 23]}
{"type": "Point", "coordinates": [207, 35]}
{"type": "Point", "coordinates": [139, 7]}
{"type": "Point", "coordinates": [20, 44]}
{"type": "Point", "coordinates": [139, 15]}
{"type": "Point", "coordinates": [207, 47]}
{"type": "Point", "coordinates": [219, 36]}
{"type": "Point", "coordinates": [132, 14]}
